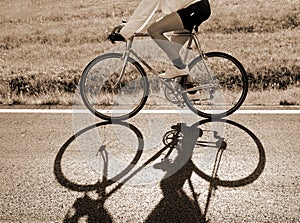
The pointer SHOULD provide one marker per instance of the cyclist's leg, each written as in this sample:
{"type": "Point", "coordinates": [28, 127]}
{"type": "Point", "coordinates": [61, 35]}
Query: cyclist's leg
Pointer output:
{"type": "Point", "coordinates": [179, 40]}
{"type": "Point", "coordinates": [168, 23]}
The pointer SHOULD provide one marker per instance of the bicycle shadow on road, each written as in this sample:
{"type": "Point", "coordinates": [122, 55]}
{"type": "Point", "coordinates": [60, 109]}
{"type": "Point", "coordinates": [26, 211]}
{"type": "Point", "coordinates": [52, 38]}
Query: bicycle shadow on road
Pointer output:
{"type": "Point", "coordinates": [93, 209]}
{"type": "Point", "coordinates": [175, 205]}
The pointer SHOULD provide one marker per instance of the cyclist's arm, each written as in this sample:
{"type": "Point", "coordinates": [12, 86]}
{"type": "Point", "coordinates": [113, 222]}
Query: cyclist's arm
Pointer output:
{"type": "Point", "coordinates": [139, 19]}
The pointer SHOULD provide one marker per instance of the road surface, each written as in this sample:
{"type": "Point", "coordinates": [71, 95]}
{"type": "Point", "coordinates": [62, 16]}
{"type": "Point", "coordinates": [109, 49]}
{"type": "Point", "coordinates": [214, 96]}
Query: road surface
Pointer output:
{"type": "Point", "coordinates": [52, 169]}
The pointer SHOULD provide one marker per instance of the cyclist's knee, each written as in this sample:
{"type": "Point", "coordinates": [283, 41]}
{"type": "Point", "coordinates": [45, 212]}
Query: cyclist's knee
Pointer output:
{"type": "Point", "coordinates": [153, 31]}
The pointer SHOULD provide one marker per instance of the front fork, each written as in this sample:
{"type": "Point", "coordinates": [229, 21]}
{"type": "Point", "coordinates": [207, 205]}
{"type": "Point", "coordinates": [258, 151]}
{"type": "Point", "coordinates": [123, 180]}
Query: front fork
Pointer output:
{"type": "Point", "coordinates": [124, 58]}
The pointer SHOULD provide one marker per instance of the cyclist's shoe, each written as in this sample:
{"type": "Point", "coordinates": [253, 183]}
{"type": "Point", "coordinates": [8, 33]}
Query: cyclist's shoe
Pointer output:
{"type": "Point", "coordinates": [114, 37]}
{"type": "Point", "coordinates": [194, 97]}
{"type": "Point", "coordinates": [191, 89]}
{"type": "Point", "coordinates": [115, 34]}
{"type": "Point", "coordinates": [173, 73]}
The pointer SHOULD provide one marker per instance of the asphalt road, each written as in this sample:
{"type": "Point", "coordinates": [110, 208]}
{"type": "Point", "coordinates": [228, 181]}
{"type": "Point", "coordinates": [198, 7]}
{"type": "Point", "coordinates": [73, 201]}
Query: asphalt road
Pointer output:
{"type": "Point", "coordinates": [58, 168]}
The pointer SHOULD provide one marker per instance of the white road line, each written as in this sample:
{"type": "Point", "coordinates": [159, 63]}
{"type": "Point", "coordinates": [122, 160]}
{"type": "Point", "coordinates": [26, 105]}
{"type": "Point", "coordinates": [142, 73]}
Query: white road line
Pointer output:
{"type": "Point", "coordinates": [268, 112]}
{"type": "Point", "coordinates": [70, 111]}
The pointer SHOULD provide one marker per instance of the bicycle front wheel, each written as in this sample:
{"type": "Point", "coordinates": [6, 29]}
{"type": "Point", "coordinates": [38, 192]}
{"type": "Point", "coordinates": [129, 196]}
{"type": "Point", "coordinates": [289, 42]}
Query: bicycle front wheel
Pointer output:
{"type": "Point", "coordinates": [110, 95]}
{"type": "Point", "coordinates": [220, 85]}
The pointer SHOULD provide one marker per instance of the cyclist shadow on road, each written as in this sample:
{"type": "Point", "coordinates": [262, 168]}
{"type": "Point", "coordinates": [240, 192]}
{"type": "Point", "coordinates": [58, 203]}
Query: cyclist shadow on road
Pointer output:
{"type": "Point", "coordinates": [90, 208]}
{"type": "Point", "coordinates": [175, 205]}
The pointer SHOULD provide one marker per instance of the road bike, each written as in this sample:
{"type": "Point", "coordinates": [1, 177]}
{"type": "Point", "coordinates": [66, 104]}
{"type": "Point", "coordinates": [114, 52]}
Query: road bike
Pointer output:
{"type": "Point", "coordinates": [115, 86]}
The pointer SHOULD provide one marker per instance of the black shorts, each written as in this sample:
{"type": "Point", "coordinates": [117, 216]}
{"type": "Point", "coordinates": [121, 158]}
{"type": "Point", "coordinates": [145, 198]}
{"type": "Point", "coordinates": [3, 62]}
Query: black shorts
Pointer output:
{"type": "Point", "coordinates": [193, 15]}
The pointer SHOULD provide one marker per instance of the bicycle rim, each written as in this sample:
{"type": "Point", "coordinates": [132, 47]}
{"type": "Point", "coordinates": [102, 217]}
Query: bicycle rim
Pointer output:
{"type": "Point", "coordinates": [222, 85]}
{"type": "Point", "coordinates": [109, 97]}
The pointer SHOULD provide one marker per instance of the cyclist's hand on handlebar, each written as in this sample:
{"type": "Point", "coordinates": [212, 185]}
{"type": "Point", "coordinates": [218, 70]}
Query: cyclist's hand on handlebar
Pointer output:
{"type": "Point", "coordinates": [115, 34]}
{"type": "Point", "coordinates": [118, 28]}
{"type": "Point", "coordinates": [114, 37]}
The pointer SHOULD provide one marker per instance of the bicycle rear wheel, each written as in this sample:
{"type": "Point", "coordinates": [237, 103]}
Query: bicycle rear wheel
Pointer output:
{"type": "Point", "coordinates": [220, 85]}
{"type": "Point", "coordinates": [107, 94]}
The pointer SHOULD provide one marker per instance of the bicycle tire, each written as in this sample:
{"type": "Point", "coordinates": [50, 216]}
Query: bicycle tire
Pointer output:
{"type": "Point", "coordinates": [100, 94]}
{"type": "Point", "coordinates": [232, 82]}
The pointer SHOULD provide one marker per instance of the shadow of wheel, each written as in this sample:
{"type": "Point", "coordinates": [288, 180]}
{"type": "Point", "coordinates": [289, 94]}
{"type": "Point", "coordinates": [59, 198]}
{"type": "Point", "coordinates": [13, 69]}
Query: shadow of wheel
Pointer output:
{"type": "Point", "coordinates": [242, 181]}
{"type": "Point", "coordinates": [64, 181]}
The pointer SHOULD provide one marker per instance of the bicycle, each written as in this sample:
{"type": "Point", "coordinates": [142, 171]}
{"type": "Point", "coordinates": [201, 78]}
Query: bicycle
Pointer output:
{"type": "Point", "coordinates": [115, 86]}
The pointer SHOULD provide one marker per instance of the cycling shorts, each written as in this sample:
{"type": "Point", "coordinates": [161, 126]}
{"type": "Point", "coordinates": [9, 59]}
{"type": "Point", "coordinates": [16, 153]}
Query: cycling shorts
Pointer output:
{"type": "Point", "coordinates": [193, 15]}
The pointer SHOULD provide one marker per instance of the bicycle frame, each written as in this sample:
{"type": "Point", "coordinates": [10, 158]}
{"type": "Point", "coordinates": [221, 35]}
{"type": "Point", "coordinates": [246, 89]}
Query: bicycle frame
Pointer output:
{"type": "Point", "coordinates": [192, 39]}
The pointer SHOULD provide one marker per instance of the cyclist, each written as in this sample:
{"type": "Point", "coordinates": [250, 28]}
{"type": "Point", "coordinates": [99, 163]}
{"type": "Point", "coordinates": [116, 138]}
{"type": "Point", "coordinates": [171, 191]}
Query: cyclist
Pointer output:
{"type": "Point", "coordinates": [180, 15]}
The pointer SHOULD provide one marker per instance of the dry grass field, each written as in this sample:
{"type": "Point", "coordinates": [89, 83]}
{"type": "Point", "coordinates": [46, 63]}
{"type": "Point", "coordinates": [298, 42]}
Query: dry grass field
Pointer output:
{"type": "Point", "coordinates": [46, 44]}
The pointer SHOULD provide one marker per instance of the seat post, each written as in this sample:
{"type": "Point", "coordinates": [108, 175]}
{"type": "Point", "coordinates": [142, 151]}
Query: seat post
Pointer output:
{"type": "Point", "coordinates": [197, 43]}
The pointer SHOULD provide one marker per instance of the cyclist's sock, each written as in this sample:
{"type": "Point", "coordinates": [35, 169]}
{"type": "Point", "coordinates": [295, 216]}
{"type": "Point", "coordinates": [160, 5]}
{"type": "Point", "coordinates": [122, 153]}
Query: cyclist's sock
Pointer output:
{"type": "Point", "coordinates": [179, 63]}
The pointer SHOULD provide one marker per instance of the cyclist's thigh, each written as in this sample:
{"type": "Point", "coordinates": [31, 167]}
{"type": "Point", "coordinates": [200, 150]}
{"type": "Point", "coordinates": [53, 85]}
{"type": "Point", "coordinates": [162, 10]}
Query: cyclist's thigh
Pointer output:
{"type": "Point", "coordinates": [168, 23]}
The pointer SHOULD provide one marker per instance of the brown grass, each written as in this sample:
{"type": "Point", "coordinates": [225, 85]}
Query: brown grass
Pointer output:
{"type": "Point", "coordinates": [45, 45]}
